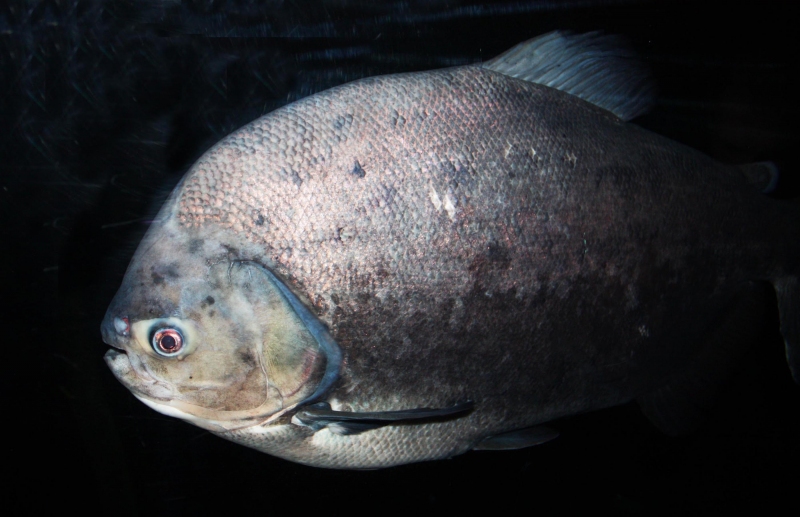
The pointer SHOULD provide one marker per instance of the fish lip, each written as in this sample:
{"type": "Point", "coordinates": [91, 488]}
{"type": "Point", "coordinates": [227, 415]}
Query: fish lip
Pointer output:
{"type": "Point", "coordinates": [111, 355]}
{"type": "Point", "coordinates": [114, 358]}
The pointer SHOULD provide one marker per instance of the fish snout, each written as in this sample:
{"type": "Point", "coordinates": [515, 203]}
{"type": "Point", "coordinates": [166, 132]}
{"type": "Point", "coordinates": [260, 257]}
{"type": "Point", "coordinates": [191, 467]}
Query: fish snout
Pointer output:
{"type": "Point", "coordinates": [115, 330]}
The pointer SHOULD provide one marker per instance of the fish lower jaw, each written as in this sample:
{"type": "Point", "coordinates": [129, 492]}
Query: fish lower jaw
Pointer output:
{"type": "Point", "coordinates": [162, 398]}
{"type": "Point", "coordinates": [224, 424]}
{"type": "Point", "coordinates": [139, 384]}
{"type": "Point", "coordinates": [169, 410]}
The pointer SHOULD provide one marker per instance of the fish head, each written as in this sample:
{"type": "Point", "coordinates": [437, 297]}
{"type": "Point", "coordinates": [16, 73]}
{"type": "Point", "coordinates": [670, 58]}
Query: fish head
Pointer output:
{"type": "Point", "coordinates": [214, 340]}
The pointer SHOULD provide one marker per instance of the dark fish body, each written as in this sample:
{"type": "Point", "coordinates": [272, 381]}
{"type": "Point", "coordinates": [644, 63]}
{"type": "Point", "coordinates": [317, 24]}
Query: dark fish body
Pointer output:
{"type": "Point", "coordinates": [459, 236]}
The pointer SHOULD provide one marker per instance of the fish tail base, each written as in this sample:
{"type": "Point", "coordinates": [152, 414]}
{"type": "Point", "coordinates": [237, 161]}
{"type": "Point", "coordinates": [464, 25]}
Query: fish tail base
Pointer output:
{"type": "Point", "coordinates": [680, 405]}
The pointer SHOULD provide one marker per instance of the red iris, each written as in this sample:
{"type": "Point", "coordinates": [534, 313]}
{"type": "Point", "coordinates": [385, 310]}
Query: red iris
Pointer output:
{"type": "Point", "coordinates": [167, 341]}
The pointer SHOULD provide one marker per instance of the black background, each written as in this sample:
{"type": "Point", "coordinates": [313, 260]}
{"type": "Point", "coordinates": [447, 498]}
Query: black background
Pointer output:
{"type": "Point", "coordinates": [105, 106]}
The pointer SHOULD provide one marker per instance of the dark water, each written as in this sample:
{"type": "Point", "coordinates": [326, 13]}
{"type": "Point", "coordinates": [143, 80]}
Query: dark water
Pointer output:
{"type": "Point", "coordinates": [105, 107]}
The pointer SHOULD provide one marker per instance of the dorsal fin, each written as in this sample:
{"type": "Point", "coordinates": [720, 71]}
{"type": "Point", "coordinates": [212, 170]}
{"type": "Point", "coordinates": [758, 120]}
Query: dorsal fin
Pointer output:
{"type": "Point", "coordinates": [595, 67]}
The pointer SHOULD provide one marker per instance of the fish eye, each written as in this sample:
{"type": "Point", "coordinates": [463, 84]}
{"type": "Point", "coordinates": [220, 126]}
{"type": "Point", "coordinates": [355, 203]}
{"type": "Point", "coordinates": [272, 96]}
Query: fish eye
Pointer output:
{"type": "Point", "coordinates": [167, 341]}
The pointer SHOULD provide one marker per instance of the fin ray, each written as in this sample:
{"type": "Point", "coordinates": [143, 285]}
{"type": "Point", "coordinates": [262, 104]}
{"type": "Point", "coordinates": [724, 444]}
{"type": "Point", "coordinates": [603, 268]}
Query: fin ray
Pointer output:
{"type": "Point", "coordinates": [320, 415]}
{"type": "Point", "coordinates": [518, 439]}
{"type": "Point", "coordinates": [595, 67]}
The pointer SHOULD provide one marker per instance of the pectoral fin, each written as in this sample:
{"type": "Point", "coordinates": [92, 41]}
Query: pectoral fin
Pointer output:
{"type": "Point", "coordinates": [318, 416]}
{"type": "Point", "coordinates": [518, 439]}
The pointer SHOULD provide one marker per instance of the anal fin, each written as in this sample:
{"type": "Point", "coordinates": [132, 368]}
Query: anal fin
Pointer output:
{"type": "Point", "coordinates": [762, 175]}
{"type": "Point", "coordinates": [517, 439]}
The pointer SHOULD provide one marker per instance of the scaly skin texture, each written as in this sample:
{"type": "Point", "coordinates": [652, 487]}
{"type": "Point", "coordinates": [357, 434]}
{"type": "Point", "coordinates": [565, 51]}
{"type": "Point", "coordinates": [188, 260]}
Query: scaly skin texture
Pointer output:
{"type": "Point", "coordinates": [469, 236]}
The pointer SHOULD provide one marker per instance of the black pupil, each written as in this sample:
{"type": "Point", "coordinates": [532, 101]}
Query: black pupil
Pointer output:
{"type": "Point", "coordinates": [168, 342]}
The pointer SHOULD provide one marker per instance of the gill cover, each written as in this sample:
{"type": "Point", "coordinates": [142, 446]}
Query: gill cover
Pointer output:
{"type": "Point", "coordinates": [310, 324]}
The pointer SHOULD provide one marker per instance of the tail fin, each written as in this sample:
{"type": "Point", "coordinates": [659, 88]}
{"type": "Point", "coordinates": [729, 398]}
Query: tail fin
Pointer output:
{"type": "Point", "coordinates": [788, 292]}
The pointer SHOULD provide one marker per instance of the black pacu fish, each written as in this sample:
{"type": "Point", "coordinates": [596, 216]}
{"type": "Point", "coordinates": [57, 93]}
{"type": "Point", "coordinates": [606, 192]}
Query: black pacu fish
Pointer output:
{"type": "Point", "coordinates": [408, 267]}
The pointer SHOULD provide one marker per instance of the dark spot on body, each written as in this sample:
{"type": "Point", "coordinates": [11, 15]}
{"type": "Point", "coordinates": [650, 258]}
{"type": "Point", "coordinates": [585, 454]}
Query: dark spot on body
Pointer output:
{"type": "Point", "coordinates": [247, 358]}
{"type": "Point", "coordinates": [161, 273]}
{"type": "Point", "coordinates": [320, 306]}
{"type": "Point", "coordinates": [260, 220]}
{"type": "Point", "coordinates": [496, 258]}
{"type": "Point", "coordinates": [211, 313]}
{"type": "Point", "coordinates": [335, 299]}
{"type": "Point", "coordinates": [448, 168]}
{"type": "Point", "coordinates": [210, 300]}
{"type": "Point", "coordinates": [497, 253]}
{"type": "Point", "coordinates": [296, 179]}
{"type": "Point", "coordinates": [397, 119]}
{"type": "Point", "coordinates": [357, 170]}
{"type": "Point", "coordinates": [457, 176]}
{"type": "Point", "coordinates": [342, 120]}
{"type": "Point", "coordinates": [233, 253]}
{"type": "Point", "coordinates": [195, 245]}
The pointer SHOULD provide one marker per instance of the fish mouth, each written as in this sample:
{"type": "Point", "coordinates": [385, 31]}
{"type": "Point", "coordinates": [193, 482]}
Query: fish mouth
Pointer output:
{"type": "Point", "coordinates": [135, 379]}
{"type": "Point", "coordinates": [115, 347]}
{"type": "Point", "coordinates": [117, 359]}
